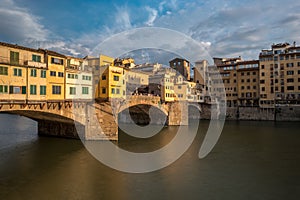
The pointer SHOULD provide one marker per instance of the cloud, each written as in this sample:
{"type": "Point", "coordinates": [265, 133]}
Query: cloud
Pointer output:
{"type": "Point", "coordinates": [152, 15]}
{"type": "Point", "coordinates": [19, 23]}
{"type": "Point", "coordinates": [122, 17]}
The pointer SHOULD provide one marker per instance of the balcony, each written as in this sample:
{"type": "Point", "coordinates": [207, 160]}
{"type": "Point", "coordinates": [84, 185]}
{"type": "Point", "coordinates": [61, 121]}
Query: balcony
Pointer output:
{"type": "Point", "coordinates": [35, 64]}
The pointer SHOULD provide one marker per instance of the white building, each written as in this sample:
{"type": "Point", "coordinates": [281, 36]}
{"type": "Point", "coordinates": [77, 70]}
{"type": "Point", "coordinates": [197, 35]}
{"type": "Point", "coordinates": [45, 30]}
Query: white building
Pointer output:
{"type": "Point", "coordinates": [79, 79]}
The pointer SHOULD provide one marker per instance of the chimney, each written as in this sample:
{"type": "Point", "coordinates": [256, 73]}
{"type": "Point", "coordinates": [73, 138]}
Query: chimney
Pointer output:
{"type": "Point", "coordinates": [294, 43]}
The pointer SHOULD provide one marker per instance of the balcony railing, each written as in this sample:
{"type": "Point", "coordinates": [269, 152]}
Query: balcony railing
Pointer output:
{"type": "Point", "coordinates": [22, 62]}
{"type": "Point", "coordinates": [35, 64]}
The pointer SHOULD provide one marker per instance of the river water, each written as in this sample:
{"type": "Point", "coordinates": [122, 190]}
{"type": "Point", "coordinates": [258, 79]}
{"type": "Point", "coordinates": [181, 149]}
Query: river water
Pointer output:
{"type": "Point", "coordinates": [252, 160]}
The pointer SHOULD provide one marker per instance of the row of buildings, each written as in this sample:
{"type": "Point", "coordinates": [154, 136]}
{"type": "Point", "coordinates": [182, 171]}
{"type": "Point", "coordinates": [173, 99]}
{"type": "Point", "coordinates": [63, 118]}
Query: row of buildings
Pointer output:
{"type": "Point", "coordinates": [28, 74]}
{"type": "Point", "coordinates": [39, 74]}
{"type": "Point", "coordinates": [271, 80]}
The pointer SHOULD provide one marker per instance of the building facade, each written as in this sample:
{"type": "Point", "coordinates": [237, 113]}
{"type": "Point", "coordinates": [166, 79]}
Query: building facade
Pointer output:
{"type": "Point", "coordinates": [279, 75]}
{"type": "Point", "coordinates": [22, 73]}
{"type": "Point", "coordinates": [182, 66]}
{"type": "Point", "coordinates": [79, 80]}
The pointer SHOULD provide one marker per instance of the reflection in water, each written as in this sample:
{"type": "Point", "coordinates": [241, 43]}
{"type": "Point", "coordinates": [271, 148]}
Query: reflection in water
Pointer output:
{"type": "Point", "coordinates": [252, 160]}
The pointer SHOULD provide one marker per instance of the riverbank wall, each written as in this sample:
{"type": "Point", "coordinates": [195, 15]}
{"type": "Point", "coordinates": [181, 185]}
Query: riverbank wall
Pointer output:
{"type": "Point", "coordinates": [280, 113]}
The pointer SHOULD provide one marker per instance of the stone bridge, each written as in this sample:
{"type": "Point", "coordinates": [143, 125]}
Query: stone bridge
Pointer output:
{"type": "Point", "coordinates": [90, 120]}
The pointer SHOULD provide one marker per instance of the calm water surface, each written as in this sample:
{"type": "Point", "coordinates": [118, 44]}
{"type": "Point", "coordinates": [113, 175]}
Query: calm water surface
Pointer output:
{"type": "Point", "coordinates": [252, 160]}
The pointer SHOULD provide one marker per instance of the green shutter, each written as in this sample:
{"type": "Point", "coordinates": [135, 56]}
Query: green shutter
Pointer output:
{"type": "Point", "coordinates": [11, 89]}
{"type": "Point", "coordinates": [23, 89]}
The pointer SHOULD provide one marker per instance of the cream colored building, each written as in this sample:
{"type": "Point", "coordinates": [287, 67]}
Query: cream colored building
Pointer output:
{"type": "Point", "coordinates": [136, 81]}
{"type": "Point", "coordinates": [79, 79]}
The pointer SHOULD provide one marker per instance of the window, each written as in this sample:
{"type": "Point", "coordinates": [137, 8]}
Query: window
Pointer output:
{"type": "Point", "coordinates": [52, 73]}
{"type": "Point", "coordinates": [263, 74]}
{"type": "Point", "coordinates": [254, 87]}
{"type": "Point", "coordinates": [179, 86]}
{"type": "Point", "coordinates": [17, 72]}
{"type": "Point", "coordinates": [57, 61]}
{"type": "Point", "coordinates": [290, 65]}
{"type": "Point", "coordinates": [42, 90]}
{"type": "Point", "coordinates": [113, 90]}
{"type": "Point", "coordinates": [33, 72]}
{"type": "Point", "coordinates": [290, 80]}
{"type": "Point", "coordinates": [3, 89]}
{"type": "Point", "coordinates": [253, 73]}
{"type": "Point", "coordinates": [242, 87]}
{"type": "Point", "coordinates": [242, 73]}
{"type": "Point", "coordinates": [116, 78]}
{"type": "Point", "coordinates": [88, 78]}
{"type": "Point", "coordinates": [3, 70]}
{"type": "Point", "coordinates": [85, 90]}
{"type": "Point", "coordinates": [103, 90]}
{"type": "Point", "coordinates": [248, 73]}
{"type": "Point", "coordinates": [33, 89]}
{"type": "Point", "coordinates": [103, 77]}
{"type": "Point", "coordinates": [263, 89]}
{"type": "Point", "coordinates": [290, 88]}
{"type": "Point", "coordinates": [298, 64]}
{"type": "Point", "coordinates": [56, 89]}
{"type": "Point", "coordinates": [118, 91]}
{"type": "Point", "coordinates": [290, 73]}
{"type": "Point", "coordinates": [60, 74]}
{"type": "Point", "coordinates": [248, 80]}
{"type": "Point", "coordinates": [254, 80]}
{"type": "Point", "coordinates": [14, 57]}
{"type": "Point", "coordinates": [17, 89]}
{"type": "Point", "coordinates": [36, 58]}
{"type": "Point", "coordinates": [43, 73]}
{"type": "Point", "coordinates": [242, 80]}
{"type": "Point", "coordinates": [262, 66]}
{"type": "Point", "coordinates": [72, 90]}
{"type": "Point", "coordinates": [248, 87]}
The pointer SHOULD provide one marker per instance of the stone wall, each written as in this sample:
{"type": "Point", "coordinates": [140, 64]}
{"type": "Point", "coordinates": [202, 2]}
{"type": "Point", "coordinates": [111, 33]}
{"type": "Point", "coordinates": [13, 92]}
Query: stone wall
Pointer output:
{"type": "Point", "coordinates": [283, 113]}
{"type": "Point", "coordinates": [288, 113]}
{"type": "Point", "coordinates": [58, 129]}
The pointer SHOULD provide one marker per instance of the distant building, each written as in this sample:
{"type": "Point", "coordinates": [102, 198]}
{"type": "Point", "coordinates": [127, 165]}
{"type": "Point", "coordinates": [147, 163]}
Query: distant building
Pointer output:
{"type": "Point", "coordinates": [136, 82]}
{"type": "Point", "coordinates": [150, 68]}
{"type": "Point", "coordinates": [279, 75]}
{"type": "Point", "coordinates": [124, 62]}
{"type": "Point", "coordinates": [182, 66]}
{"type": "Point", "coordinates": [240, 79]}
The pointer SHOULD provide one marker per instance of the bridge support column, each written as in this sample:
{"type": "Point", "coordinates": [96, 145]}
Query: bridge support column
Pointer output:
{"type": "Point", "coordinates": [58, 129]}
{"type": "Point", "coordinates": [101, 123]}
{"type": "Point", "coordinates": [178, 114]}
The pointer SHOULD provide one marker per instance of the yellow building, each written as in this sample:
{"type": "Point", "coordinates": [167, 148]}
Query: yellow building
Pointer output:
{"type": "Point", "coordinates": [109, 79]}
{"type": "Point", "coordinates": [56, 62]}
{"type": "Point", "coordinates": [22, 73]}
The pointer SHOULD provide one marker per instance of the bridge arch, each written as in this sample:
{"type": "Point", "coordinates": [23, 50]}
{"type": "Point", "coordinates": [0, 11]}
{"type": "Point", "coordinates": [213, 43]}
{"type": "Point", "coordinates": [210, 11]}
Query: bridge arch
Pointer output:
{"type": "Point", "coordinates": [54, 119]}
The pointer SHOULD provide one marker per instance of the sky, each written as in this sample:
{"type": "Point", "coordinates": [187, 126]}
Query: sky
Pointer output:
{"type": "Point", "coordinates": [226, 28]}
